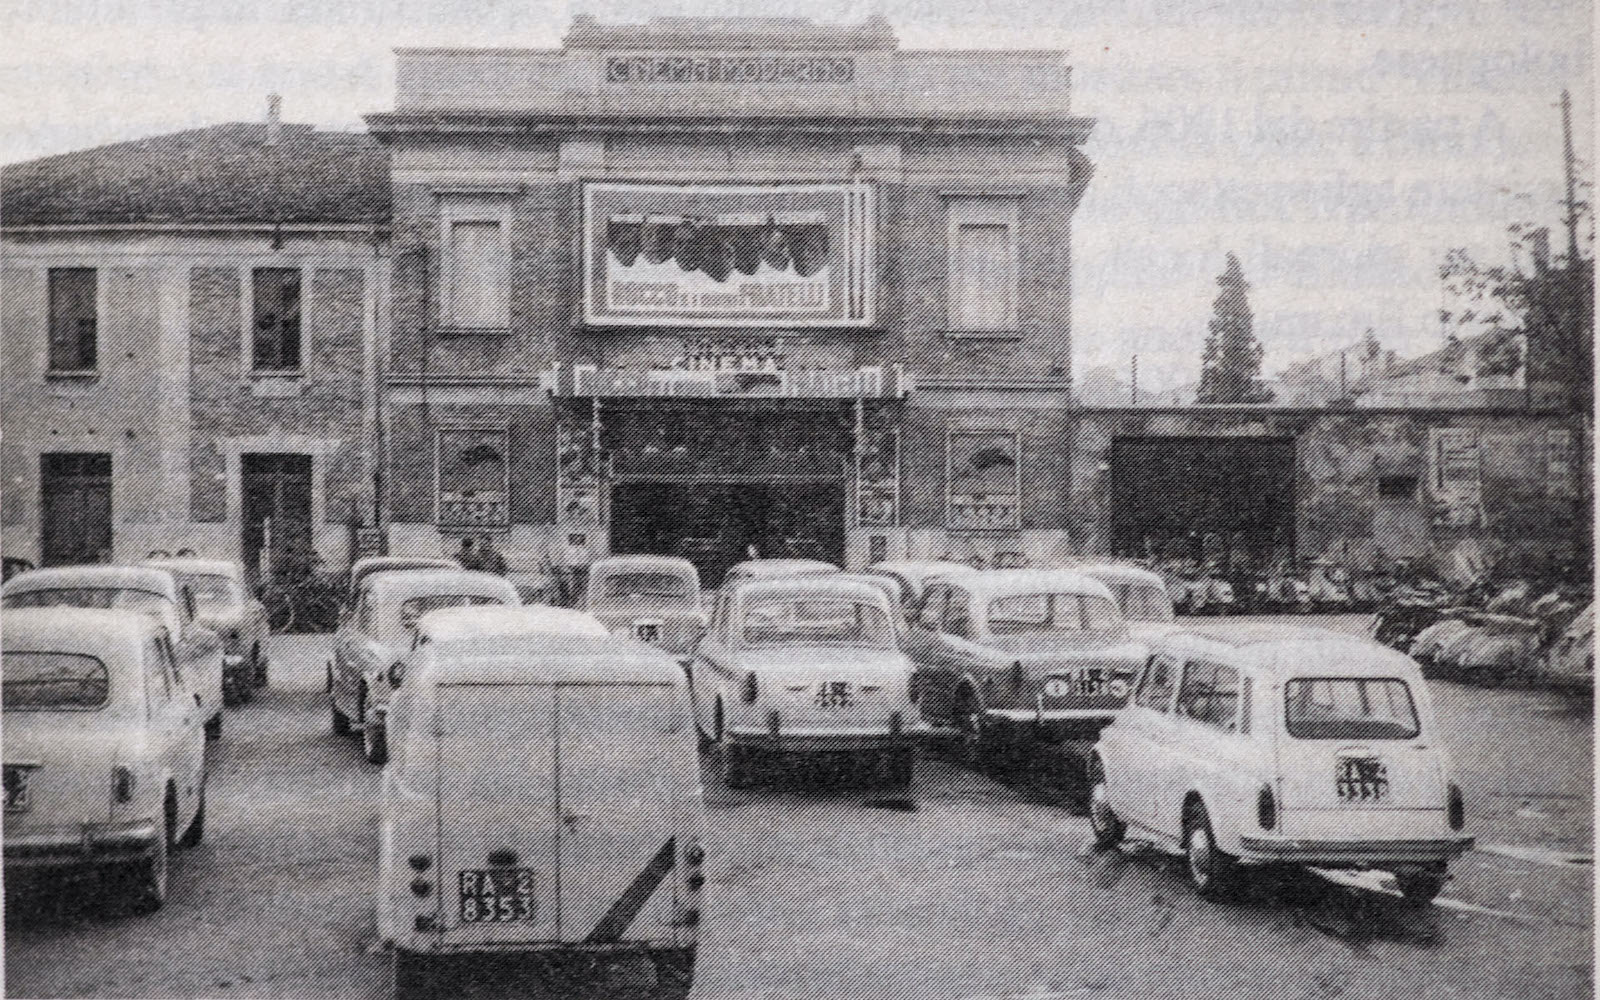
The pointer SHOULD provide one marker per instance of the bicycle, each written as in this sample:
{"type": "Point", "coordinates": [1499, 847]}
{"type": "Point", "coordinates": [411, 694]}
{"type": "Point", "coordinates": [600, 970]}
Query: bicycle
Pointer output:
{"type": "Point", "coordinates": [311, 602]}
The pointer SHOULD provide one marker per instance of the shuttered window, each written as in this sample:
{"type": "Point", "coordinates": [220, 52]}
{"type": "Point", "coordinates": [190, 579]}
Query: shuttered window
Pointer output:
{"type": "Point", "coordinates": [981, 285]}
{"type": "Point", "coordinates": [275, 325]}
{"type": "Point", "coordinates": [74, 320]}
{"type": "Point", "coordinates": [477, 276]}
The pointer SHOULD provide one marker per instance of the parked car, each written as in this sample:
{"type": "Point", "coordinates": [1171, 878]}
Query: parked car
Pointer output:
{"type": "Point", "coordinates": [1011, 657]}
{"type": "Point", "coordinates": [223, 606]}
{"type": "Point", "coordinates": [486, 621]}
{"type": "Point", "coordinates": [1269, 745]}
{"type": "Point", "coordinates": [914, 575]}
{"type": "Point", "coordinates": [535, 587]}
{"type": "Point", "coordinates": [378, 633]}
{"type": "Point", "coordinates": [804, 664]}
{"type": "Point", "coordinates": [104, 749]}
{"type": "Point", "coordinates": [1570, 662]}
{"type": "Point", "coordinates": [365, 567]}
{"type": "Point", "coordinates": [155, 592]}
{"type": "Point", "coordinates": [655, 599]}
{"type": "Point", "coordinates": [543, 796]}
{"type": "Point", "coordinates": [761, 569]}
{"type": "Point", "coordinates": [1141, 595]}
{"type": "Point", "coordinates": [892, 591]}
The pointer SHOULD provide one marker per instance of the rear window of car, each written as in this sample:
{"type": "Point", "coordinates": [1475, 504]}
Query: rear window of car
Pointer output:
{"type": "Point", "coordinates": [1350, 708]}
{"type": "Point", "coordinates": [127, 599]}
{"type": "Point", "coordinates": [46, 682]}
{"type": "Point", "coordinates": [214, 593]}
{"type": "Point", "coordinates": [1027, 614]}
{"type": "Point", "coordinates": [809, 621]}
{"type": "Point", "coordinates": [415, 607]}
{"type": "Point", "coordinates": [644, 588]}
{"type": "Point", "coordinates": [1141, 602]}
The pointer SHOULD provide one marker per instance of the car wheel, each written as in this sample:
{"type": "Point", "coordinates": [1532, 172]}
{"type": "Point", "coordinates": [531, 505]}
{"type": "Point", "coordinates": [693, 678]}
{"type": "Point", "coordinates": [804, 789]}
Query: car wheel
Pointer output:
{"type": "Point", "coordinates": [258, 667]}
{"type": "Point", "coordinates": [341, 722]}
{"type": "Point", "coordinates": [972, 726]}
{"type": "Point", "coordinates": [1212, 872]}
{"type": "Point", "coordinates": [147, 877]}
{"type": "Point", "coordinates": [374, 742]}
{"type": "Point", "coordinates": [197, 826]}
{"type": "Point", "coordinates": [414, 976]}
{"type": "Point", "coordinates": [214, 727]}
{"type": "Point", "coordinates": [737, 765]}
{"type": "Point", "coordinates": [1108, 829]}
{"type": "Point", "coordinates": [1419, 886]}
{"type": "Point", "coordinates": [901, 766]}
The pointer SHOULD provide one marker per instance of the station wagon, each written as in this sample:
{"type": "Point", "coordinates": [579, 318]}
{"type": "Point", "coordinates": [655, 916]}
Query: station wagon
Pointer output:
{"type": "Point", "coordinates": [543, 796]}
{"type": "Point", "coordinates": [155, 592]}
{"type": "Point", "coordinates": [104, 748]}
{"type": "Point", "coordinates": [1007, 658]}
{"type": "Point", "coordinates": [1259, 745]}
{"type": "Point", "coordinates": [654, 599]}
{"type": "Point", "coordinates": [223, 606]}
{"type": "Point", "coordinates": [378, 633]}
{"type": "Point", "coordinates": [1140, 594]}
{"type": "Point", "coordinates": [804, 665]}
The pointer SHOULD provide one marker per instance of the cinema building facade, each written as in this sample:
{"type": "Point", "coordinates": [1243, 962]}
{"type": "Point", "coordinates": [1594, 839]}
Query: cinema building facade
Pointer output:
{"type": "Point", "coordinates": [702, 286]}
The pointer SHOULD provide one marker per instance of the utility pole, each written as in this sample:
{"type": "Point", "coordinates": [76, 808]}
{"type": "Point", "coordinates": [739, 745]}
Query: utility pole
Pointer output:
{"type": "Point", "coordinates": [1572, 201]}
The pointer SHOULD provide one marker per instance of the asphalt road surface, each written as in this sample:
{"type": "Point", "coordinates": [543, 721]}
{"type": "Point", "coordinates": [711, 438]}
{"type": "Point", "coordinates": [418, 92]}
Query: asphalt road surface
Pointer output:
{"type": "Point", "coordinates": [823, 886]}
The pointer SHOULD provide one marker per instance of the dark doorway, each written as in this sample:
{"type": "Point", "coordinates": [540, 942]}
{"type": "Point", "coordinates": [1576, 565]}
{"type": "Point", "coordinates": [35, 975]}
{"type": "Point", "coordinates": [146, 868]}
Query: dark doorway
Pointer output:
{"type": "Point", "coordinates": [713, 525]}
{"type": "Point", "coordinates": [277, 534]}
{"type": "Point", "coordinates": [75, 508]}
{"type": "Point", "coordinates": [1193, 496]}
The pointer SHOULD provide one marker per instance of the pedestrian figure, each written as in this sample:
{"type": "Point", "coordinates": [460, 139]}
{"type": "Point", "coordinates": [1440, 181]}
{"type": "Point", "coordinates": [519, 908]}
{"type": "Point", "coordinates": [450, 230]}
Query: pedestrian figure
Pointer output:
{"type": "Point", "coordinates": [489, 558]}
{"type": "Point", "coordinates": [468, 555]}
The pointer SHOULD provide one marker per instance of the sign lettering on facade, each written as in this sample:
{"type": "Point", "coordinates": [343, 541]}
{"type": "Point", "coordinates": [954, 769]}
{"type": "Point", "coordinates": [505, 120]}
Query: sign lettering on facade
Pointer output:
{"type": "Point", "coordinates": [730, 69]}
{"type": "Point", "coordinates": [786, 255]}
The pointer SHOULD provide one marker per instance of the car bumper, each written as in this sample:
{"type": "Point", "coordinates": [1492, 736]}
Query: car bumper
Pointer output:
{"type": "Point", "coordinates": [236, 666]}
{"type": "Point", "coordinates": [1055, 724]}
{"type": "Point", "coordinates": [825, 741]}
{"type": "Point", "coordinates": [92, 844]}
{"type": "Point", "coordinates": [1353, 853]}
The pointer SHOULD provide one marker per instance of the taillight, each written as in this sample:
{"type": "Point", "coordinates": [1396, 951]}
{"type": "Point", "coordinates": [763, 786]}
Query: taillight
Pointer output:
{"type": "Point", "coordinates": [1016, 676]}
{"type": "Point", "coordinates": [1457, 813]}
{"type": "Point", "coordinates": [1266, 808]}
{"type": "Point", "coordinates": [123, 783]}
{"type": "Point", "coordinates": [750, 690]}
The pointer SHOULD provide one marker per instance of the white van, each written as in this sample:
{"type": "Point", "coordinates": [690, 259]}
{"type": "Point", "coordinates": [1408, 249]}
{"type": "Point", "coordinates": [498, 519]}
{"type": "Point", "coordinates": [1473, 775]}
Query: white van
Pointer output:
{"type": "Point", "coordinates": [542, 795]}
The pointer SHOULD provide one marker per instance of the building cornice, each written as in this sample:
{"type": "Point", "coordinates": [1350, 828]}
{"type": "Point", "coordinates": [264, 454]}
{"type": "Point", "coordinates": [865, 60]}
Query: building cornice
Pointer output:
{"type": "Point", "coordinates": [387, 124]}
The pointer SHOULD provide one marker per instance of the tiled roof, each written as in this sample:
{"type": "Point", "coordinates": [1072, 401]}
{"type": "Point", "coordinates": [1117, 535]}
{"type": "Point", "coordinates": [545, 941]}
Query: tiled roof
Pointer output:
{"type": "Point", "coordinates": [220, 174]}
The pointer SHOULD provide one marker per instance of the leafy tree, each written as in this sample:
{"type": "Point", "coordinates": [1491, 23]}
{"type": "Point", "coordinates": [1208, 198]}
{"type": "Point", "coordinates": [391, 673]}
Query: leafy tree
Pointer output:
{"type": "Point", "coordinates": [1230, 370]}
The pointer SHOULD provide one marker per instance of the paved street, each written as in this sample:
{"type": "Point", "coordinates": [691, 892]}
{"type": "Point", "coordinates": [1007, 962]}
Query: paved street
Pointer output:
{"type": "Point", "coordinates": [824, 887]}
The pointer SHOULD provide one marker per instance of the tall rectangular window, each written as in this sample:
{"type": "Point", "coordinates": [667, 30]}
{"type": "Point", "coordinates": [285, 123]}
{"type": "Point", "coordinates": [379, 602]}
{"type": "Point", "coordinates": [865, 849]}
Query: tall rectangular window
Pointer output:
{"type": "Point", "coordinates": [276, 320]}
{"type": "Point", "coordinates": [477, 276]}
{"type": "Point", "coordinates": [74, 320]}
{"type": "Point", "coordinates": [982, 291]}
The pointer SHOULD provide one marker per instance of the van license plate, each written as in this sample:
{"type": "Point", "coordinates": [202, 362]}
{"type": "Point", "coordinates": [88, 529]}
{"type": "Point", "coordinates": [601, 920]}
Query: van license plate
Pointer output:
{"type": "Point", "coordinates": [1361, 780]}
{"type": "Point", "coordinates": [17, 798]}
{"type": "Point", "coordinates": [497, 895]}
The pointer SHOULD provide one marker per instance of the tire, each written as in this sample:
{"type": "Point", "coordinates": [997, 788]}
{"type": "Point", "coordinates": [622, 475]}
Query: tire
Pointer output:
{"type": "Point", "coordinates": [146, 889]}
{"type": "Point", "coordinates": [737, 765]}
{"type": "Point", "coordinates": [977, 744]}
{"type": "Point", "coordinates": [1213, 873]}
{"type": "Point", "coordinates": [214, 727]}
{"type": "Point", "coordinates": [341, 722]}
{"type": "Point", "coordinates": [415, 976]}
{"type": "Point", "coordinates": [374, 743]}
{"type": "Point", "coordinates": [1419, 886]}
{"type": "Point", "coordinates": [1108, 829]}
{"type": "Point", "coordinates": [258, 667]}
{"type": "Point", "coordinates": [197, 826]}
{"type": "Point", "coordinates": [900, 767]}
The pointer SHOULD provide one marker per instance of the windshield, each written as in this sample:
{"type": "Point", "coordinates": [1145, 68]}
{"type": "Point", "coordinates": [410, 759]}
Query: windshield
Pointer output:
{"type": "Point", "coordinates": [1350, 708]}
{"type": "Point", "coordinates": [35, 682]}
{"type": "Point", "coordinates": [1051, 614]}
{"type": "Point", "coordinates": [91, 597]}
{"type": "Point", "coordinates": [214, 593]}
{"type": "Point", "coordinates": [810, 621]}
{"type": "Point", "coordinates": [416, 607]}
{"type": "Point", "coordinates": [645, 588]}
{"type": "Point", "coordinates": [1142, 602]}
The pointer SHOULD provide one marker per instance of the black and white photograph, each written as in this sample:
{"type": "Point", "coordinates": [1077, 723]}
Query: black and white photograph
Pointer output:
{"type": "Point", "coordinates": [797, 499]}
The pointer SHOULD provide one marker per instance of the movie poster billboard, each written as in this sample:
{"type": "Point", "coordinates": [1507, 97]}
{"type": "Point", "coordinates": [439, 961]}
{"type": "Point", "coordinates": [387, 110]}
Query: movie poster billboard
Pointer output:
{"type": "Point", "coordinates": [762, 255]}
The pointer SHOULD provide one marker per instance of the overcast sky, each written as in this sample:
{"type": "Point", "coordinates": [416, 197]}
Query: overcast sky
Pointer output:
{"type": "Point", "coordinates": [1337, 148]}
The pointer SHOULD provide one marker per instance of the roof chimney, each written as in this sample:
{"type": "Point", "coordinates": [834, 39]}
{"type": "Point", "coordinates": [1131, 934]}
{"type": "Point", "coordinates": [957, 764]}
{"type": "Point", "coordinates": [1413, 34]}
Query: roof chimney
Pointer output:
{"type": "Point", "coordinates": [274, 118]}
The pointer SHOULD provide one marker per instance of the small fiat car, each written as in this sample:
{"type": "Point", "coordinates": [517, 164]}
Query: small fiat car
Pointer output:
{"type": "Point", "coordinates": [1259, 744]}
{"type": "Point", "coordinates": [155, 592]}
{"type": "Point", "coordinates": [914, 575]}
{"type": "Point", "coordinates": [543, 795]}
{"type": "Point", "coordinates": [804, 665]}
{"type": "Point", "coordinates": [1140, 594]}
{"type": "Point", "coordinates": [654, 599]}
{"type": "Point", "coordinates": [379, 632]}
{"type": "Point", "coordinates": [1010, 657]}
{"type": "Point", "coordinates": [104, 749]}
{"type": "Point", "coordinates": [488, 621]}
{"type": "Point", "coordinates": [763, 569]}
{"type": "Point", "coordinates": [223, 606]}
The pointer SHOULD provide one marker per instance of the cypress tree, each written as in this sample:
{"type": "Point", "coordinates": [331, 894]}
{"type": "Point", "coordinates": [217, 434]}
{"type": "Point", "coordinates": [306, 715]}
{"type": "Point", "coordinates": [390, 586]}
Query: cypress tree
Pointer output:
{"type": "Point", "coordinates": [1230, 371]}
